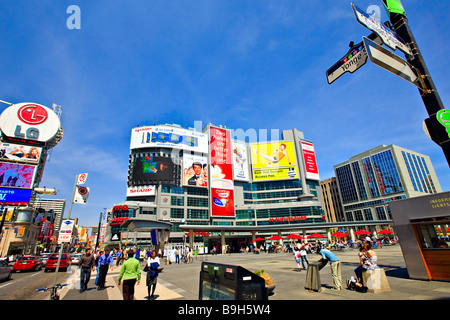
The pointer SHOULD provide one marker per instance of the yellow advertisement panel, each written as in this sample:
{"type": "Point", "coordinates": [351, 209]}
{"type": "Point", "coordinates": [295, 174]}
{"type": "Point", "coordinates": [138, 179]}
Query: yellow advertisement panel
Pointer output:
{"type": "Point", "coordinates": [274, 161]}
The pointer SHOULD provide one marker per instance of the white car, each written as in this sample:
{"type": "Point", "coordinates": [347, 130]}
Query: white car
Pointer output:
{"type": "Point", "coordinates": [75, 258]}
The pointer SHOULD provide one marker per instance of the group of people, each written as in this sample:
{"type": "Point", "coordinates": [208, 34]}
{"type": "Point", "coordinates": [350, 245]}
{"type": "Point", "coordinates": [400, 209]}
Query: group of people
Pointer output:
{"type": "Point", "coordinates": [367, 261]}
{"type": "Point", "coordinates": [130, 271]}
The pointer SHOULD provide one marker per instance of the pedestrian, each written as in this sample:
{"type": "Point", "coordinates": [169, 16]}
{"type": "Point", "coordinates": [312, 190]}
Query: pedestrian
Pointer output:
{"type": "Point", "coordinates": [130, 272]}
{"type": "Point", "coordinates": [87, 264]}
{"type": "Point", "coordinates": [335, 264]}
{"type": "Point", "coordinates": [119, 257]}
{"type": "Point", "coordinates": [304, 255]}
{"type": "Point", "coordinates": [177, 255]}
{"type": "Point", "coordinates": [105, 261]}
{"type": "Point", "coordinates": [153, 264]}
{"type": "Point", "coordinates": [97, 257]}
{"type": "Point", "coordinates": [297, 258]}
{"type": "Point", "coordinates": [367, 261]}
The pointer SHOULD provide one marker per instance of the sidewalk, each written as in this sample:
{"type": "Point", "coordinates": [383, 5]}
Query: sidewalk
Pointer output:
{"type": "Point", "coordinates": [112, 291]}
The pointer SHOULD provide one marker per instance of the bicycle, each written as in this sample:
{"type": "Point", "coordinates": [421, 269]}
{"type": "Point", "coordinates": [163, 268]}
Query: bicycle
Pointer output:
{"type": "Point", "coordinates": [54, 294]}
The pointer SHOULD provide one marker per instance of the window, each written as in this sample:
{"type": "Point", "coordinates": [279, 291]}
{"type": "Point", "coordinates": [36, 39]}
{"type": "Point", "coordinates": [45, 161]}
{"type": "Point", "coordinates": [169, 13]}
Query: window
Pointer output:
{"type": "Point", "coordinates": [381, 213]}
{"type": "Point", "coordinates": [346, 184]}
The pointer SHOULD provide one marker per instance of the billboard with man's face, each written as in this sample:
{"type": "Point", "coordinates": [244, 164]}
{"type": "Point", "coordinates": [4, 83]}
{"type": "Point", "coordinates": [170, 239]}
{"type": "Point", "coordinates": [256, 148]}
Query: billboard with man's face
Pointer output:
{"type": "Point", "coordinates": [195, 170]}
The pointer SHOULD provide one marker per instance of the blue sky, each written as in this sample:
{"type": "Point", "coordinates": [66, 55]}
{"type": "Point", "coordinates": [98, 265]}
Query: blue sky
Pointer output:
{"type": "Point", "coordinates": [245, 64]}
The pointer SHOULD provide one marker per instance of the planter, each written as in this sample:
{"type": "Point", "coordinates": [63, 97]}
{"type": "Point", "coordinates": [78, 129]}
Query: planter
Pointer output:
{"type": "Point", "coordinates": [270, 289]}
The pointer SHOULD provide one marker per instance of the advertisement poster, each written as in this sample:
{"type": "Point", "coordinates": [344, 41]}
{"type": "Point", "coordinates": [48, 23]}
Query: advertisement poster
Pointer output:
{"type": "Point", "coordinates": [169, 137]}
{"type": "Point", "coordinates": [273, 161]}
{"type": "Point", "coordinates": [151, 170]}
{"type": "Point", "coordinates": [240, 161]}
{"type": "Point", "coordinates": [195, 170]}
{"type": "Point", "coordinates": [17, 175]}
{"type": "Point", "coordinates": [17, 197]}
{"type": "Point", "coordinates": [17, 152]}
{"type": "Point", "coordinates": [221, 173]}
{"type": "Point", "coordinates": [312, 172]}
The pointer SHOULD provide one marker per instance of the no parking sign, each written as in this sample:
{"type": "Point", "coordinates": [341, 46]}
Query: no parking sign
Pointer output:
{"type": "Point", "coordinates": [81, 195]}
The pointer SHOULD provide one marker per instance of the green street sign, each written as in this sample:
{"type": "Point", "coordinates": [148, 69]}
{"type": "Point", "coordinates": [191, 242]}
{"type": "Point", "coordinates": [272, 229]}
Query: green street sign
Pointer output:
{"type": "Point", "coordinates": [394, 6]}
{"type": "Point", "coordinates": [443, 116]}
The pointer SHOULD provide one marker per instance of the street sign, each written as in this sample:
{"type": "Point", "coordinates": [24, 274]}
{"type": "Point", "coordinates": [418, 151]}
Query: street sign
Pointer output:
{"type": "Point", "coordinates": [81, 178]}
{"type": "Point", "coordinates": [388, 36]}
{"type": "Point", "coordinates": [81, 195]}
{"type": "Point", "coordinates": [391, 62]}
{"type": "Point", "coordinates": [355, 58]}
{"type": "Point", "coordinates": [65, 233]}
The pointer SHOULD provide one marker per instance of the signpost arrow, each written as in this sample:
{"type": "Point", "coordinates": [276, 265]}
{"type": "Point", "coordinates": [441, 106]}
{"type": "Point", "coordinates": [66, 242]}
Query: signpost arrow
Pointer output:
{"type": "Point", "coordinates": [391, 62]}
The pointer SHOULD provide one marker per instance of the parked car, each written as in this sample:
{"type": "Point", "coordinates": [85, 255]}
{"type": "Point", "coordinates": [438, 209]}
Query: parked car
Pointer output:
{"type": "Point", "coordinates": [5, 270]}
{"type": "Point", "coordinates": [75, 258]}
{"type": "Point", "coordinates": [28, 263]}
{"type": "Point", "coordinates": [44, 257]}
{"type": "Point", "coordinates": [52, 262]}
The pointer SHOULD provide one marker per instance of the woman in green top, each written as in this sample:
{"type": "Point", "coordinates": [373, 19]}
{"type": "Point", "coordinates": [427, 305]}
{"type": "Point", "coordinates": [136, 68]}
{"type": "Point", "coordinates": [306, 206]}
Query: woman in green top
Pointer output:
{"type": "Point", "coordinates": [130, 272]}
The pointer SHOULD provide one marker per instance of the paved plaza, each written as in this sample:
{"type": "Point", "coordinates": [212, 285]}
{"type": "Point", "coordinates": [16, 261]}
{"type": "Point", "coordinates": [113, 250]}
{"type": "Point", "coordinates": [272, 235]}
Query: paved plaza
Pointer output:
{"type": "Point", "coordinates": [181, 281]}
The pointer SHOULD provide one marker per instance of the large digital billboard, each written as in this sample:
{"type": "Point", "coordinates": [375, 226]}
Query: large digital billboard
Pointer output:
{"type": "Point", "coordinates": [195, 170]}
{"type": "Point", "coordinates": [17, 175]}
{"type": "Point", "coordinates": [17, 152]}
{"type": "Point", "coordinates": [273, 161]}
{"type": "Point", "coordinates": [168, 137]}
{"type": "Point", "coordinates": [149, 170]}
{"type": "Point", "coordinates": [240, 161]}
{"type": "Point", "coordinates": [309, 155]}
{"type": "Point", "coordinates": [15, 197]}
{"type": "Point", "coordinates": [221, 173]}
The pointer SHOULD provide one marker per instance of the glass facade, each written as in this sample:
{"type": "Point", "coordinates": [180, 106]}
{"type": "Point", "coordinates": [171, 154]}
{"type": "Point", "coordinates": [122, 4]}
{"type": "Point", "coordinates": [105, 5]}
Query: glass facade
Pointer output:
{"type": "Point", "coordinates": [370, 182]}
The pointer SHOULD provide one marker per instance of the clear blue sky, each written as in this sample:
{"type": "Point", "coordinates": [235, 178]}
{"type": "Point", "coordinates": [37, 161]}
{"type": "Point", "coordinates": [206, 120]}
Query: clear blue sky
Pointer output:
{"type": "Point", "coordinates": [245, 64]}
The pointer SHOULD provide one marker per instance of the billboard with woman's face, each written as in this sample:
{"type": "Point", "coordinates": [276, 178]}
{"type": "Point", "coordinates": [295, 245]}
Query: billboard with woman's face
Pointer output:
{"type": "Point", "coordinates": [17, 175]}
{"type": "Point", "coordinates": [17, 152]}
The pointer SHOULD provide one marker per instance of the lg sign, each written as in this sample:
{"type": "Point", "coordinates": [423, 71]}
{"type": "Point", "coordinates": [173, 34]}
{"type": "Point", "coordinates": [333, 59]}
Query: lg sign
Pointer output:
{"type": "Point", "coordinates": [30, 121]}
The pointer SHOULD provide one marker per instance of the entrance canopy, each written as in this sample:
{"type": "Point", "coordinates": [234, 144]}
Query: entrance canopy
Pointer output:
{"type": "Point", "coordinates": [145, 225]}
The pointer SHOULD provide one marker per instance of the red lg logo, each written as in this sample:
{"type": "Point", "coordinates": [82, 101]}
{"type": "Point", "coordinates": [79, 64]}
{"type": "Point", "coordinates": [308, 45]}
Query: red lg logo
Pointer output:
{"type": "Point", "coordinates": [32, 114]}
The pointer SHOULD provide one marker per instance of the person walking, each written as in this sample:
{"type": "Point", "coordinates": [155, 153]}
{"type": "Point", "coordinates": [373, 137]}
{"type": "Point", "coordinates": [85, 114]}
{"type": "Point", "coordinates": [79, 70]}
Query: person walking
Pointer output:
{"type": "Point", "coordinates": [304, 255]}
{"type": "Point", "coordinates": [106, 260]}
{"type": "Point", "coordinates": [130, 272]}
{"type": "Point", "coordinates": [335, 264]}
{"type": "Point", "coordinates": [177, 255]}
{"type": "Point", "coordinates": [153, 264]}
{"type": "Point", "coordinates": [87, 264]}
{"type": "Point", "coordinates": [119, 257]}
{"type": "Point", "coordinates": [297, 258]}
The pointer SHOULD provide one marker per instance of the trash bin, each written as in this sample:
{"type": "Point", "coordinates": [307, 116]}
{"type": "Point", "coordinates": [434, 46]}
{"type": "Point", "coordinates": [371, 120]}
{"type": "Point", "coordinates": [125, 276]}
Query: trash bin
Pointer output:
{"type": "Point", "coordinates": [313, 277]}
{"type": "Point", "coordinates": [228, 282]}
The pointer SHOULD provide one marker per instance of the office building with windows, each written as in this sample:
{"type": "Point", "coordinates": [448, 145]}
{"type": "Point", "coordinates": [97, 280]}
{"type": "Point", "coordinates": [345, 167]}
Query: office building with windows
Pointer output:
{"type": "Point", "coordinates": [210, 177]}
{"type": "Point", "coordinates": [368, 181]}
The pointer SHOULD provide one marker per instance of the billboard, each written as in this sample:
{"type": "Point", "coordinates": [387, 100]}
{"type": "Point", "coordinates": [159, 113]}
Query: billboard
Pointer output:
{"type": "Point", "coordinates": [16, 197]}
{"type": "Point", "coordinates": [168, 137]}
{"type": "Point", "coordinates": [195, 170]}
{"type": "Point", "coordinates": [221, 173]}
{"type": "Point", "coordinates": [149, 170]}
{"type": "Point", "coordinates": [273, 161]}
{"type": "Point", "coordinates": [17, 175]}
{"type": "Point", "coordinates": [240, 161]}
{"type": "Point", "coordinates": [309, 155]}
{"type": "Point", "coordinates": [141, 191]}
{"type": "Point", "coordinates": [17, 152]}
{"type": "Point", "coordinates": [30, 121]}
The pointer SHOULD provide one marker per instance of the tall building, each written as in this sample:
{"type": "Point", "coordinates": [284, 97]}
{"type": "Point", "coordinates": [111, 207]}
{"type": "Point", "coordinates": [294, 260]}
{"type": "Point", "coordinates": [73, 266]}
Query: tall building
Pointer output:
{"type": "Point", "coordinates": [213, 176]}
{"type": "Point", "coordinates": [57, 205]}
{"type": "Point", "coordinates": [370, 180]}
{"type": "Point", "coordinates": [331, 200]}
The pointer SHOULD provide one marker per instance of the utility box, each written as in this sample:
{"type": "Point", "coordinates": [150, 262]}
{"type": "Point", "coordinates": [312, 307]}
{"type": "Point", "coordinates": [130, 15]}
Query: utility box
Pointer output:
{"type": "Point", "coordinates": [228, 282]}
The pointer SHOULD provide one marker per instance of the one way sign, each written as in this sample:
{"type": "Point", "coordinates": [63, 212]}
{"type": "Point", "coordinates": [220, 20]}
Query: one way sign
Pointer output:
{"type": "Point", "coordinates": [391, 62]}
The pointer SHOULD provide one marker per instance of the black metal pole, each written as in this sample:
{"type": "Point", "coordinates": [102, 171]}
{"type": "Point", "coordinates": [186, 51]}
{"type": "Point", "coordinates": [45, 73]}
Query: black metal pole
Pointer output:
{"type": "Point", "coordinates": [429, 94]}
{"type": "Point", "coordinates": [98, 231]}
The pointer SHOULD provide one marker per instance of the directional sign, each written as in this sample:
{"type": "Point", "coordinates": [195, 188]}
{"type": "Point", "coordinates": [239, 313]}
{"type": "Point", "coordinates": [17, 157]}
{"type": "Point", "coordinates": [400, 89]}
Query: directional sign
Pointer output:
{"type": "Point", "coordinates": [355, 58]}
{"type": "Point", "coordinates": [391, 62]}
{"type": "Point", "coordinates": [388, 36]}
{"type": "Point", "coordinates": [65, 233]}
